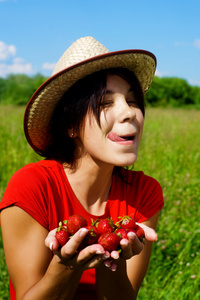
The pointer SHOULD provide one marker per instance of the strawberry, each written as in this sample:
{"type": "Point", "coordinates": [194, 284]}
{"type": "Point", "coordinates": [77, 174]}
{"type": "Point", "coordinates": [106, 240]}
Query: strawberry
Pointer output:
{"type": "Point", "coordinates": [139, 232]}
{"type": "Point", "coordinates": [105, 225]}
{"type": "Point", "coordinates": [62, 235]}
{"type": "Point", "coordinates": [92, 235]}
{"type": "Point", "coordinates": [109, 240]}
{"type": "Point", "coordinates": [75, 222]}
{"type": "Point", "coordinates": [122, 233]}
{"type": "Point", "coordinates": [126, 222]}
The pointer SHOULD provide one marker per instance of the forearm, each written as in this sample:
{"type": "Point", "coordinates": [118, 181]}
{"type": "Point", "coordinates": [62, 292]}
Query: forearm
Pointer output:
{"type": "Point", "coordinates": [114, 285]}
{"type": "Point", "coordinates": [58, 283]}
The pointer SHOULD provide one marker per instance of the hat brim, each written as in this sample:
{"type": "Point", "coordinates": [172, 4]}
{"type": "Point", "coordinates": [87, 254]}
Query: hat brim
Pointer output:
{"type": "Point", "coordinates": [40, 108]}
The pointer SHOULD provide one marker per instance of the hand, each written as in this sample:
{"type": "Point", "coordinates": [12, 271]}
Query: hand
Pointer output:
{"type": "Point", "coordinates": [133, 245]}
{"type": "Point", "coordinates": [87, 258]}
{"type": "Point", "coordinates": [130, 247]}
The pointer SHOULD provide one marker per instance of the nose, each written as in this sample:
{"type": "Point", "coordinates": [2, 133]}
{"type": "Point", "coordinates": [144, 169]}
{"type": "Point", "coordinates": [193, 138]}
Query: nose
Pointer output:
{"type": "Point", "coordinates": [126, 112]}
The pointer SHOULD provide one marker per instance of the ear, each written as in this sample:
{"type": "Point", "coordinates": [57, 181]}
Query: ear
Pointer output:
{"type": "Point", "coordinates": [71, 133]}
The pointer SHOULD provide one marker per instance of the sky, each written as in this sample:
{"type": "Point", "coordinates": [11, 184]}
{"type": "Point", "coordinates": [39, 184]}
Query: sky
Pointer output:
{"type": "Point", "coordinates": [35, 33]}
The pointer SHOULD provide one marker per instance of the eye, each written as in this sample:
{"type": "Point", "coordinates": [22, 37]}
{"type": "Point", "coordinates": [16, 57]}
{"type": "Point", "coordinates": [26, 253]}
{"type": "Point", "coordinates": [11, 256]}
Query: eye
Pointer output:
{"type": "Point", "coordinates": [106, 103]}
{"type": "Point", "coordinates": [132, 102]}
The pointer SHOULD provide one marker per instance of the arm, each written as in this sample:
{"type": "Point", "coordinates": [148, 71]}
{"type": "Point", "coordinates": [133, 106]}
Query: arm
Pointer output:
{"type": "Point", "coordinates": [34, 271]}
{"type": "Point", "coordinates": [130, 272]}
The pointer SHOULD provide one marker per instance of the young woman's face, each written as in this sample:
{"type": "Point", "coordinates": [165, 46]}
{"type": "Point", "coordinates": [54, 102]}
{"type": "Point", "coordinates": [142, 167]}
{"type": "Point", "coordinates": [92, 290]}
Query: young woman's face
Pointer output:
{"type": "Point", "coordinates": [117, 141]}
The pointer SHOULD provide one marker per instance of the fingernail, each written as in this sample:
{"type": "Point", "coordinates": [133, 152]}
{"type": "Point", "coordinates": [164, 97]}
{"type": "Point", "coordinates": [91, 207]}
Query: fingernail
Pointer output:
{"type": "Point", "coordinates": [124, 242]}
{"type": "Point", "coordinates": [131, 234]}
{"type": "Point", "coordinates": [115, 255]}
{"type": "Point", "coordinates": [105, 256]}
{"type": "Point", "coordinates": [107, 263]}
{"type": "Point", "coordinates": [99, 252]}
{"type": "Point", "coordinates": [83, 231]}
{"type": "Point", "coordinates": [51, 246]}
{"type": "Point", "coordinates": [114, 268]}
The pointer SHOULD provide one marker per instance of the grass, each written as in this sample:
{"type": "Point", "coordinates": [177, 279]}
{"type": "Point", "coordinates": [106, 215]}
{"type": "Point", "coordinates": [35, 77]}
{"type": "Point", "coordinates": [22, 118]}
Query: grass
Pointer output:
{"type": "Point", "coordinates": [170, 153]}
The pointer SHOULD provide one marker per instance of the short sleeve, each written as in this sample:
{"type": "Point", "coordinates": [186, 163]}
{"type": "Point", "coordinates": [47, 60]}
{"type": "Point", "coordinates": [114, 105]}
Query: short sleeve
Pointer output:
{"type": "Point", "coordinates": [27, 190]}
{"type": "Point", "coordinates": [151, 199]}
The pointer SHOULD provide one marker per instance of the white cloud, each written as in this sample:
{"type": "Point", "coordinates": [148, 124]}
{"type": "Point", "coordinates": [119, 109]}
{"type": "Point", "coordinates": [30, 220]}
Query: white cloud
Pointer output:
{"type": "Point", "coordinates": [10, 63]}
{"type": "Point", "coordinates": [6, 51]}
{"type": "Point", "coordinates": [15, 68]}
{"type": "Point", "coordinates": [197, 43]}
{"type": "Point", "coordinates": [48, 66]}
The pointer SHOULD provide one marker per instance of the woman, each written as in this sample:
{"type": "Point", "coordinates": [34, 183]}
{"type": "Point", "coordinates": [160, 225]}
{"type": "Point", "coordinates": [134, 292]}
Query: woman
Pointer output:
{"type": "Point", "coordinates": [87, 121]}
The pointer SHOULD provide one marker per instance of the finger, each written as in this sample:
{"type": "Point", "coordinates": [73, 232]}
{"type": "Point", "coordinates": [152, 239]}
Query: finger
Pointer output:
{"type": "Point", "coordinates": [74, 242]}
{"type": "Point", "coordinates": [90, 251]}
{"type": "Point", "coordinates": [113, 267]}
{"type": "Point", "coordinates": [95, 261]}
{"type": "Point", "coordinates": [126, 249]}
{"type": "Point", "coordinates": [90, 257]}
{"type": "Point", "coordinates": [130, 247]}
{"type": "Point", "coordinates": [110, 265]}
{"type": "Point", "coordinates": [115, 254]}
{"type": "Point", "coordinates": [135, 243]}
{"type": "Point", "coordinates": [51, 241]}
{"type": "Point", "coordinates": [107, 263]}
{"type": "Point", "coordinates": [150, 233]}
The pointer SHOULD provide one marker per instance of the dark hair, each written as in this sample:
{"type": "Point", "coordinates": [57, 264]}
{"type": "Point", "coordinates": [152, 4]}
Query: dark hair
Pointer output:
{"type": "Point", "coordinates": [84, 96]}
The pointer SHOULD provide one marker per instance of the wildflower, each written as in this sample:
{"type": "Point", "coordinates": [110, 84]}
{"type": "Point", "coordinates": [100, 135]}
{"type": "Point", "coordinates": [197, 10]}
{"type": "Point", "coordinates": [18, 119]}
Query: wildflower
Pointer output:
{"type": "Point", "coordinates": [188, 264]}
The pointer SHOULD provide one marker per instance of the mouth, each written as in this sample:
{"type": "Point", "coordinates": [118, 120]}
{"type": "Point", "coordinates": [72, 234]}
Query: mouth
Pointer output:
{"type": "Point", "coordinates": [116, 138]}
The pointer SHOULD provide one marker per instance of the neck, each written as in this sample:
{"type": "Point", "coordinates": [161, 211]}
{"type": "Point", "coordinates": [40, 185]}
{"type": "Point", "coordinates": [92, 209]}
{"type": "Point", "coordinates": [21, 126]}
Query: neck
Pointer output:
{"type": "Point", "coordinates": [91, 183]}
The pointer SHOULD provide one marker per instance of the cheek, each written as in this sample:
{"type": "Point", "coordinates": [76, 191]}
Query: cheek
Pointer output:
{"type": "Point", "coordinates": [90, 133]}
{"type": "Point", "coordinates": [140, 119]}
{"type": "Point", "coordinates": [106, 121]}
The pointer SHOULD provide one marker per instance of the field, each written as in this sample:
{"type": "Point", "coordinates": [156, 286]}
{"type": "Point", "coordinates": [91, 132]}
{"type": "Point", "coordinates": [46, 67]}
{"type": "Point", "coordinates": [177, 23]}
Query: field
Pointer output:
{"type": "Point", "coordinates": [169, 152]}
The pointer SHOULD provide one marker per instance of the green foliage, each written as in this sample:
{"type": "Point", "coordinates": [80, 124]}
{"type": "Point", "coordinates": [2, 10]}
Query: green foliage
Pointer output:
{"type": "Point", "coordinates": [17, 89]}
{"type": "Point", "coordinates": [170, 153]}
{"type": "Point", "coordinates": [164, 92]}
{"type": "Point", "coordinates": [172, 92]}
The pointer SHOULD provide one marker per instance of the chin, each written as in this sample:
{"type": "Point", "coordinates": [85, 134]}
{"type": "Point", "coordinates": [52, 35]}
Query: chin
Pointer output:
{"type": "Point", "coordinates": [127, 163]}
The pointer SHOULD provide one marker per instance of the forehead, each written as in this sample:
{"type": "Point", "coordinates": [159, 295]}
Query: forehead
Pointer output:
{"type": "Point", "coordinates": [117, 84]}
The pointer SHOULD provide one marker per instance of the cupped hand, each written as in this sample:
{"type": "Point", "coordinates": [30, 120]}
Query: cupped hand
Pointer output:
{"type": "Point", "coordinates": [69, 255]}
{"type": "Point", "coordinates": [133, 246]}
{"type": "Point", "coordinates": [94, 255]}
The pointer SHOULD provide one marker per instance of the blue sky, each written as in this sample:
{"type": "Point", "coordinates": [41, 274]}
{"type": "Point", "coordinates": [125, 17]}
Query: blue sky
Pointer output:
{"type": "Point", "coordinates": [35, 33]}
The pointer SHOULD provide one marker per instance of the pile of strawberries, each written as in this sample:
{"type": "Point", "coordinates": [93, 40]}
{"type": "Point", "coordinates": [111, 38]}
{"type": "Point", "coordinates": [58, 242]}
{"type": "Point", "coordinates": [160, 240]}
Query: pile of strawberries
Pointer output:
{"type": "Point", "coordinates": [102, 231]}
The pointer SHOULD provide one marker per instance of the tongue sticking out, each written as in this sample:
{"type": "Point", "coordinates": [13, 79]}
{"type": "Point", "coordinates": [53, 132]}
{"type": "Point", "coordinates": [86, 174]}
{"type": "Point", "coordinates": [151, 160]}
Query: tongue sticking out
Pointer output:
{"type": "Point", "coordinates": [115, 138]}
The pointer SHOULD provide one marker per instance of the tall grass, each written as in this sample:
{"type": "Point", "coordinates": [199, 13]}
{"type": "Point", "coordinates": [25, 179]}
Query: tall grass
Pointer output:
{"type": "Point", "coordinates": [169, 152]}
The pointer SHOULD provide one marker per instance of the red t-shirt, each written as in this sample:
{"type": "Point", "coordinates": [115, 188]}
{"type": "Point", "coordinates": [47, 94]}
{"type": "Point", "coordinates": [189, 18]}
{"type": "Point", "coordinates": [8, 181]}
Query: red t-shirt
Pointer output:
{"type": "Point", "coordinates": [43, 191]}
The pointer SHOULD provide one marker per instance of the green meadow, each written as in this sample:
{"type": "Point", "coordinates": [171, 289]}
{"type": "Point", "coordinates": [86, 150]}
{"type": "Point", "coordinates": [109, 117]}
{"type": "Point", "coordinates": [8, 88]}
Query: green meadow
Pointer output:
{"type": "Point", "coordinates": [169, 152]}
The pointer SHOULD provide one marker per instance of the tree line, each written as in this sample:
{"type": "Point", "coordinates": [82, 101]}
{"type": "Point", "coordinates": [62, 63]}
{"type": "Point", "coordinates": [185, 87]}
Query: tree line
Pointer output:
{"type": "Point", "coordinates": [165, 91]}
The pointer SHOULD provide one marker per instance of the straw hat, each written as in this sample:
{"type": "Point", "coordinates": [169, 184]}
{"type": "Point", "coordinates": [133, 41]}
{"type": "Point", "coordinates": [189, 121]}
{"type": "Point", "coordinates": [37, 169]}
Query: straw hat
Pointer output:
{"type": "Point", "coordinates": [83, 57]}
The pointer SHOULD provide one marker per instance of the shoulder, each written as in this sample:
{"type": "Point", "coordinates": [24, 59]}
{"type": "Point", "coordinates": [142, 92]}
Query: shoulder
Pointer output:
{"type": "Point", "coordinates": [135, 193]}
{"type": "Point", "coordinates": [32, 188]}
{"type": "Point", "coordinates": [40, 169]}
{"type": "Point", "coordinates": [35, 179]}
